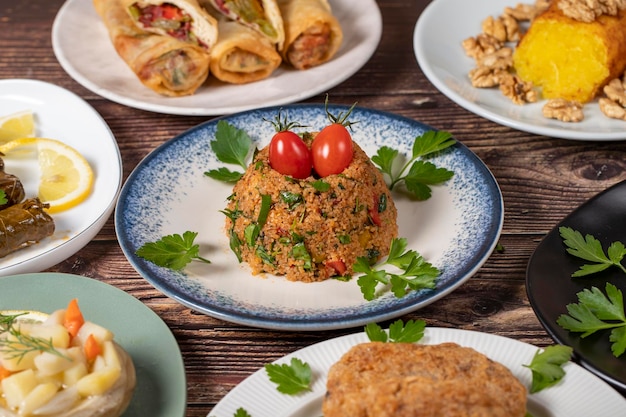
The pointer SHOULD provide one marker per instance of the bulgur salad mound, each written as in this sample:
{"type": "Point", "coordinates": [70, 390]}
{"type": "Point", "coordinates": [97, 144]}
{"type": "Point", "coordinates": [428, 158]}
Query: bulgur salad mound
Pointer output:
{"type": "Point", "coordinates": [313, 228]}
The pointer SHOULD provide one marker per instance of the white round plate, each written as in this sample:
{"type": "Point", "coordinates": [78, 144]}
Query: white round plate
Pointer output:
{"type": "Point", "coordinates": [168, 193]}
{"type": "Point", "coordinates": [439, 32]}
{"type": "Point", "coordinates": [580, 393]}
{"type": "Point", "coordinates": [62, 115]}
{"type": "Point", "coordinates": [161, 389]}
{"type": "Point", "coordinates": [82, 46]}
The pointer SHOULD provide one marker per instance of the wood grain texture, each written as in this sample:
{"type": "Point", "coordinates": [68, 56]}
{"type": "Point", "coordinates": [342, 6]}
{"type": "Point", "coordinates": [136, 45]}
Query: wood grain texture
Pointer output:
{"type": "Point", "coordinates": [542, 180]}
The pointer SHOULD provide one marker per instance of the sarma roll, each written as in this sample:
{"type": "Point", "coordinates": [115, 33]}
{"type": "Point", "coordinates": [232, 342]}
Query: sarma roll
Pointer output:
{"type": "Point", "coordinates": [166, 65]}
{"type": "Point", "coordinates": [11, 186]}
{"type": "Point", "coordinates": [241, 54]}
{"type": "Point", "coordinates": [261, 15]}
{"type": "Point", "coordinates": [312, 34]}
{"type": "Point", "coordinates": [184, 20]}
{"type": "Point", "coordinates": [24, 224]}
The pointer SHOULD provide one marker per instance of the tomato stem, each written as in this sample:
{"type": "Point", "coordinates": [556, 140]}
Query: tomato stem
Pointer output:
{"type": "Point", "coordinates": [283, 124]}
{"type": "Point", "coordinates": [341, 119]}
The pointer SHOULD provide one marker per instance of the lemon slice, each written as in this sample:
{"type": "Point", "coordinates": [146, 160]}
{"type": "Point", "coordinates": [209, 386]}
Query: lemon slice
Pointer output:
{"type": "Point", "coordinates": [17, 125]}
{"type": "Point", "coordinates": [66, 178]}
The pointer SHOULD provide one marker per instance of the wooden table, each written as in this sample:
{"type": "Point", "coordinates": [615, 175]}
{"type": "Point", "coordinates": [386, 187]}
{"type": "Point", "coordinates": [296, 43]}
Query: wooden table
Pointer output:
{"type": "Point", "coordinates": [542, 180]}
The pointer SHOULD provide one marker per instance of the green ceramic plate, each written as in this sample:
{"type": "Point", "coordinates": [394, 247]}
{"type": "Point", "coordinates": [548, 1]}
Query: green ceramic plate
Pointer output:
{"type": "Point", "coordinates": [161, 385]}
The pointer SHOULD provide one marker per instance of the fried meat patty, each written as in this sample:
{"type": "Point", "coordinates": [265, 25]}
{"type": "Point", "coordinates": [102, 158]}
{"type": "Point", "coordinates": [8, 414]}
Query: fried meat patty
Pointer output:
{"type": "Point", "coordinates": [410, 380]}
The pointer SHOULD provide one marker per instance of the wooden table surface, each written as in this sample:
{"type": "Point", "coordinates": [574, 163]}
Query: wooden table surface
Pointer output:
{"type": "Point", "coordinates": [542, 180]}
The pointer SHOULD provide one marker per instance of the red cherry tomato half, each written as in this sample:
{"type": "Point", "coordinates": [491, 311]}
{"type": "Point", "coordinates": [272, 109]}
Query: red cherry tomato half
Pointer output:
{"type": "Point", "coordinates": [289, 155]}
{"type": "Point", "coordinates": [332, 150]}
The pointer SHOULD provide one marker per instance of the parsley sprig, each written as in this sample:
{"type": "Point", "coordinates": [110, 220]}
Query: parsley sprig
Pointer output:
{"type": "Point", "coordinates": [415, 273]}
{"type": "Point", "coordinates": [590, 249]}
{"type": "Point", "coordinates": [290, 379]}
{"type": "Point", "coordinates": [20, 344]}
{"type": "Point", "coordinates": [172, 251]}
{"type": "Point", "coordinates": [399, 332]}
{"type": "Point", "coordinates": [596, 311]}
{"type": "Point", "coordinates": [231, 146]}
{"type": "Point", "coordinates": [3, 197]}
{"type": "Point", "coordinates": [547, 366]}
{"type": "Point", "coordinates": [416, 173]}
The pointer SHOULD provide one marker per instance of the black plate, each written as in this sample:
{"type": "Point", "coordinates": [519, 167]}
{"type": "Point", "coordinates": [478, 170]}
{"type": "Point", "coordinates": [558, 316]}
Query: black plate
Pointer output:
{"type": "Point", "coordinates": [550, 286]}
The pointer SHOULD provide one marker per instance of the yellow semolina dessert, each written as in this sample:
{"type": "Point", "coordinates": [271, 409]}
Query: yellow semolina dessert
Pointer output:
{"type": "Point", "coordinates": [572, 59]}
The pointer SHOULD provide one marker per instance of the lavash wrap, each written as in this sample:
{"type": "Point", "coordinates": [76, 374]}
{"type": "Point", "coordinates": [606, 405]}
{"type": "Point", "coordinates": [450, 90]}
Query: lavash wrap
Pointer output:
{"type": "Point", "coordinates": [270, 23]}
{"type": "Point", "coordinates": [241, 54]}
{"type": "Point", "coordinates": [305, 18]}
{"type": "Point", "coordinates": [165, 65]}
{"type": "Point", "coordinates": [203, 25]}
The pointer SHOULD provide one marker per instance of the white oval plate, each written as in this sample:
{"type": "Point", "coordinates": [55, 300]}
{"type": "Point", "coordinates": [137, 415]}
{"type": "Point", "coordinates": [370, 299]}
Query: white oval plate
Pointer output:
{"type": "Point", "coordinates": [439, 32]}
{"type": "Point", "coordinates": [167, 193]}
{"type": "Point", "coordinates": [161, 389]}
{"type": "Point", "coordinates": [62, 115]}
{"type": "Point", "coordinates": [82, 46]}
{"type": "Point", "coordinates": [580, 393]}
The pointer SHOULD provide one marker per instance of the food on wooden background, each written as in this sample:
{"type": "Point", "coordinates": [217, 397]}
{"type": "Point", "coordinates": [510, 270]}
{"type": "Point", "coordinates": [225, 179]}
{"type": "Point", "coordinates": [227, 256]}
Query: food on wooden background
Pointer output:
{"type": "Point", "coordinates": [313, 228]}
{"type": "Point", "coordinates": [573, 52]}
{"type": "Point", "coordinates": [61, 365]}
{"type": "Point", "coordinates": [24, 224]}
{"type": "Point", "coordinates": [260, 15]}
{"type": "Point", "coordinates": [184, 20]}
{"type": "Point", "coordinates": [569, 58]}
{"type": "Point", "coordinates": [241, 54]}
{"type": "Point", "coordinates": [312, 34]}
{"type": "Point", "coordinates": [166, 65]}
{"type": "Point", "coordinates": [406, 379]}
{"type": "Point", "coordinates": [236, 42]}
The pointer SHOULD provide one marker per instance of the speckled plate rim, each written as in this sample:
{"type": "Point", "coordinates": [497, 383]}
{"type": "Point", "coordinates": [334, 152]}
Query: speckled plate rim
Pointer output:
{"type": "Point", "coordinates": [144, 214]}
{"type": "Point", "coordinates": [580, 392]}
{"type": "Point", "coordinates": [161, 389]}
{"type": "Point", "coordinates": [437, 38]}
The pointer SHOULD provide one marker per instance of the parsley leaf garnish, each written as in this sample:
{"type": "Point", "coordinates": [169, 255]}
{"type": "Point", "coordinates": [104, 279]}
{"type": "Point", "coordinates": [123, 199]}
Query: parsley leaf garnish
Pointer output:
{"type": "Point", "coordinates": [590, 249]}
{"type": "Point", "coordinates": [547, 366]}
{"type": "Point", "coordinates": [3, 197]}
{"type": "Point", "coordinates": [399, 332]}
{"type": "Point", "coordinates": [596, 311]}
{"type": "Point", "coordinates": [421, 174]}
{"type": "Point", "coordinates": [416, 272]}
{"type": "Point", "coordinates": [290, 379]}
{"type": "Point", "coordinates": [241, 412]}
{"type": "Point", "coordinates": [231, 146]}
{"type": "Point", "coordinates": [172, 251]}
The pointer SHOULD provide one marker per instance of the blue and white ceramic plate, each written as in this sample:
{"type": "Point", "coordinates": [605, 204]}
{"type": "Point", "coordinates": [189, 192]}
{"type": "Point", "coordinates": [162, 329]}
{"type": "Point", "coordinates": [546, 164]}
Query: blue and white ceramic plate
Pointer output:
{"type": "Point", "coordinates": [579, 393]}
{"type": "Point", "coordinates": [168, 193]}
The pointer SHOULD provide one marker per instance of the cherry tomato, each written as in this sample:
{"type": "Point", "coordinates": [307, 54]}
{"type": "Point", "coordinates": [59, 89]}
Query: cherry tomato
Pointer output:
{"type": "Point", "coordinates": [332, 150]}
{"type": "Point", "coordinates": [289, 155]}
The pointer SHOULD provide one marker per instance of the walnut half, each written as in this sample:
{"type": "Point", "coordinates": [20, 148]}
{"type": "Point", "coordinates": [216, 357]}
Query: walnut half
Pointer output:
{"type": "Point", "coordinates": [518, 90]}
{"type": "Point", "coordinates": [563, 110]}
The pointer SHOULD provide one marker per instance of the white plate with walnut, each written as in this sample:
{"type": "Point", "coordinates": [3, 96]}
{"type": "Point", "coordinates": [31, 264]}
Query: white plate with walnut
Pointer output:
{"type": "Point", "coordinates": [438, 44]}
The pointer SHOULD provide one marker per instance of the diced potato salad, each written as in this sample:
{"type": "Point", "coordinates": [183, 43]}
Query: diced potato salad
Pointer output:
{"type": "Point", "coordinates": [48, 363]}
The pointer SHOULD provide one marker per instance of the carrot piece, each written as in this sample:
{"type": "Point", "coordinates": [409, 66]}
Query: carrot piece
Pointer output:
{"type": "Point", "coordinates": [73, 319]}
{"type": "Point", "coordinates": [92, 348]}
{"type": "Point", "coordinates": [4, 373]}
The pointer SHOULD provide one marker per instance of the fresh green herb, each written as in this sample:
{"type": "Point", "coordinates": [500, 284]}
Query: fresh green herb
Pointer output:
{"type": "Point", "coordinates": [231, 146]}
{"type": "Point", "coordinates": [253, 230]}
{"type": "Point", "coordinates": [262, 253]}
{"type": "Point", "coordinates": [172, 251]}
{"type": "Point", "coordinates": [596, 311]}
{"type": "Point", "coordinates": [321, 186]}
{"type": "Point", "coordinates": [234, 241]}
{"type": "Point", "coordinates": [292, 200]}
{"type": "Point", "coordinates": [399, 332]}
{"type": "Point", "coordinates": [290, 379]}
{"type": "Point", "coordinates": [417, 273]}
{"type": "Point", "coordinates": [299, 252]}
{"type": "Point", "coordinates": [590, 249]}
{"type": "Point", "coordinates": [547, 366]}
{"type": "Point", "coordinates": [418, 175]}
{"type": "Point", "coordinates": [241, 412]}
{"type": "Point", "coordinates": [20, 344]}
{"type": "Point", "coordinates": [3, 197]}
{"type": "Point", "coordinates": [344, 239]}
